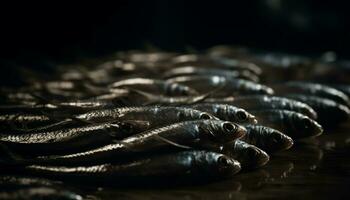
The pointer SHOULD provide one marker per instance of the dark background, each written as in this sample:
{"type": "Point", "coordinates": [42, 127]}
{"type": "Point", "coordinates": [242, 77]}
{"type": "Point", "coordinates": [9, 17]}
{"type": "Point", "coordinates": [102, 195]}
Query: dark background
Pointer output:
{"type": "Point", "coordinates": [32, 34]}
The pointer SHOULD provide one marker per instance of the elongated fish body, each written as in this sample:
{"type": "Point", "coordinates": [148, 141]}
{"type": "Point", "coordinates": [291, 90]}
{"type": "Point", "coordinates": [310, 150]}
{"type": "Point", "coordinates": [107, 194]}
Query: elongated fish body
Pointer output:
{"type": "Point", "coordinates": [40, 192]}
{"type": "Point", "coordinates": [154, 86]}
{"type": "Point", "coordinates": [8, 121]}
{"type": "Point", "coordinates": [345, 88]}
{"type": "Point", "coordinates": [72, 139]}
{"type": "Point", "coordinates": [215, 62]}
{"type": "Point", "coordinates": [291, 123]}
{"type": "Point", "coordinates": [313, 89]}
{"type": "Point", "coordinates": [329, 112]}
{"type": "Point", "coordinates": [266, 138]}
{"type": "Point", "coordinates": [226, 112]}
{"type": "Point", "coordinates": [200, 134]}
{"type": "Point", "coordinates": [155, 115]}
{"type": "Point", "coordinates": [190, 70]}
{"type": "Point", "coordinates": [228, 86]}
{"type": "Point", "coordinates": [258, 102]}
{"type": "Point", "coordinates": [248, 155]}
{"type": "Point", "coordinates": [190, 164]}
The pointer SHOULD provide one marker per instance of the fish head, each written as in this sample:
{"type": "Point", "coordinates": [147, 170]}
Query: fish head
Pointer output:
{"type": "Point", "coordinates": [179, 89]}
{"type": "Point", "coordinates": [251, 156]}
{"type": "Point", "coordinates": [242, 116]}
{"type": "Point", "coordinates": [217, 164]}
{"type": "Point", "coordinates": [306, 127]}
{"type": "Point", "coordinates": [192, 114]}
{"type": "Point", "coordinates": [274, 140]}
{"type": "Point", "coordinates": [223, 131]}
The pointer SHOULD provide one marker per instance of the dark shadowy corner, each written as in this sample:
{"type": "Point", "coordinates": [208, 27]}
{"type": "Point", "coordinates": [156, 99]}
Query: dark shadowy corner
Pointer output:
{"type": "Point", "coordinates": [39, 36]}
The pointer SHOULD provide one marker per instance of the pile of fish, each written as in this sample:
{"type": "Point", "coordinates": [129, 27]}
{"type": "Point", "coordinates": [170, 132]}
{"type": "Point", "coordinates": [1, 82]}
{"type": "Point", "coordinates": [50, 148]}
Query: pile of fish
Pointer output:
{"type": "Point", "coordinates": [138, 115]}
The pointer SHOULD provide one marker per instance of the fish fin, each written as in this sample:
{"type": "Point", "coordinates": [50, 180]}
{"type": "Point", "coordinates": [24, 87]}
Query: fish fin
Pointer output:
{"type": "Point", "coordinates": [173, 143]}
{"type": "Point", "coordinates": [151, 98]}
{"type": "Point", "coordinates": [204, 96]}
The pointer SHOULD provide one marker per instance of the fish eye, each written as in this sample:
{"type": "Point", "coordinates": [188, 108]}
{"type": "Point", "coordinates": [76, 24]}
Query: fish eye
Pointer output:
{"type": "Point", "coordinates": [223, 160]}
{"type": "Point", "coordinates": [252, 153]}
{"type": "Point", "coordinates": [276, 138]}
{"type": "Point", "coordinates": [242, 115]}
{"type": "Point", "coordinates": [228, 127]}
{"type": "Point", "coordinates": [306, 122]}
{"type": "Point", "coordinates": [181, 115]}
{"type": "Point", "coordinates": [204, 116]}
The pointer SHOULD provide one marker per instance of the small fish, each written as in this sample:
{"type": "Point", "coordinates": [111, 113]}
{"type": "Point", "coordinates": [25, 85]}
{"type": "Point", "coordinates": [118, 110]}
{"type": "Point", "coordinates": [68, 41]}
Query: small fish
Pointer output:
{"type": "Point", "coordinates": [291, 123]}
{"type": "Point", "coordinates": [248, 155]}
{"type": "Point", "coordinates": [226, 112]}
{"type": "Point", "coordinates": [258, 102]}
{"type": "Point", "coordinates": [42, 192]}
{"type": "Point", "coordinates": [313, 89]}
{"type": "Point", "coordinates": [30, 121]}
{"type": "Point", "coordinates": [329, 112]}
{"type": "Point", "coordinates": [228, 86]}
{"type": "Point", "coordinates": [200, 134]}
{"type": "Point", "coordinates": [155, 86]}
{"type": "Point", "coordinates": [190, 70]}
{"type": "Point", "coordinates": [215, 62]}
{"type": "Point", "coordinates": [345, 88]}
{"type": "Point", "coordinates": [189, 164]}
{"type": "Point", "coordinates": [266, 138]}
{"type": "Point", "coordinates": [72, 139]}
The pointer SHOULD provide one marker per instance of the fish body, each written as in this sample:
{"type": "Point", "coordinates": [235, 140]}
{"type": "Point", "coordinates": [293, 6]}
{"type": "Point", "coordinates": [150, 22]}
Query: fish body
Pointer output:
{"type": "Point", "coordinates": [293, 124]}
{"type": "Point", "coordinates": [192, 163]}
{"type": "Point", "coordinates": [226, 112]}
{"type": "Point", "coordinates": [259, 102]}
{"type": "Point", "coordinates": [227, 85]}
{"type": "Point", "coordinates": [200, 134]}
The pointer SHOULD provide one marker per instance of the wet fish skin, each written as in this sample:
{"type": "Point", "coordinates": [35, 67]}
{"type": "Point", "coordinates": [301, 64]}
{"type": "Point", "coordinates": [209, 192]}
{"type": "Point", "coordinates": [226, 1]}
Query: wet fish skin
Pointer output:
{"type": "Point", "coordinates": [248, 155]}
{"type": "Point", "coordinates": [43, 192]}
{"type": "Point", "coordinates": [10, 121]}
{"type": "Point", "coordinates": [190, 70]}
{"type": "Point", "coordinates": [325, 108]}
{"type": "Point", "coordinates": [192, 163]}
{"type": "Point", "coordinates": [72, 139]}
{"type": "Point", "coordinates": [154, 86]}
{"type": "Point", "coordinates": [152, 114]}
{"type": "Point", "coordinates": [258, 102]}
{"type": "Point", "coordinates": [314, 89]}
{"type": "Point", "coordinates": [293, 124]}
{"type": "Point", "coordinates": [199, 134]}
{"type": "Point", "coordinates": [228, 85]}
{"type": "Point", "coordinates": [268, 139]}
{"type": "Point", "coordinates": [226, 112]}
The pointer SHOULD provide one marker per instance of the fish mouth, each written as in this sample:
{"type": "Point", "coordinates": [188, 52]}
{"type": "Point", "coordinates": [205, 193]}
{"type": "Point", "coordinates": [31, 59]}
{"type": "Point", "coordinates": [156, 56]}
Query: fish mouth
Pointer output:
{"type": "Point", "coordinates": [263, 158]}
{"type": "Point", "coordinates": [288, 142]}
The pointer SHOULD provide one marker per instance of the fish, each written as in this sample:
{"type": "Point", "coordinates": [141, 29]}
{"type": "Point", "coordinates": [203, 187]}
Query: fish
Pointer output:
{"type": "Point", "coordinates": [226, 112]}
{"type": "Point", "coordinates": [329, 112]}
{"type": "Point", "coordinates": [268, 139]}
{"type": "Point", "coordinates": [155, 86]}
{"type": "Point", "coordinates": [248, 155]}
{"type": "Point", "coordinates": [191, 70]}
{"type": "Point", "coordinates": [72, 139]}
{"type": "Point", "coordinates": [190, 164]}
{"type": "Point", "coordinates": [258, 102]}
{"type": "Point", "coordinates": [24, 121]}
{"type": "Point", "coordinates": [40, 192]}
{"type": "Point", "coordinates": [152, 114]}
{"type": "Point", "coordinates": [199, 134]}
{"type": "Point", "coordinates": [215, 62]}
{"type": "Point", "coordinates": [293, 124]}
{"type": "Point", "coordinates": [314, 89]}
{"type": "Point", "coordinates": [228, 85]}
{"type": "Point", "coordinates": [345, 88]}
